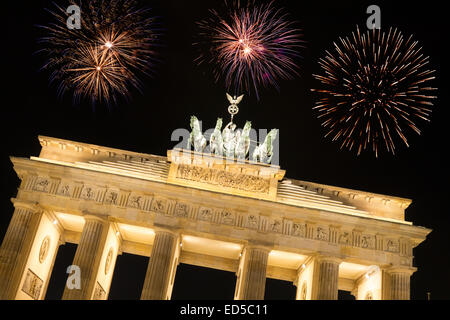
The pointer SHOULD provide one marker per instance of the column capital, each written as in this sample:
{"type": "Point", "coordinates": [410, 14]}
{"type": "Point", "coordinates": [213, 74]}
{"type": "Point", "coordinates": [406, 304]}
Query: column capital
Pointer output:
{"type": "Point", "coordinates": [20, 204]}
{"type": "Point", "coordinates": [328, 258]}
{"type": "Point", "coordinates": [168, 230]}
{"type": "Point", "coordinates": [261, 245]}
{"type": "Point", "coordinates": [400, 269]}
{"type": "Point", "coordinates": [94, 217]}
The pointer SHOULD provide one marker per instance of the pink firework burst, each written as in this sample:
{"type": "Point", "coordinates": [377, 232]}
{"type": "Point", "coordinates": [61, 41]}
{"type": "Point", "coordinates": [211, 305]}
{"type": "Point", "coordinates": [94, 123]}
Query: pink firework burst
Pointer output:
{"type": "Point", "coordinates": [251, 46]}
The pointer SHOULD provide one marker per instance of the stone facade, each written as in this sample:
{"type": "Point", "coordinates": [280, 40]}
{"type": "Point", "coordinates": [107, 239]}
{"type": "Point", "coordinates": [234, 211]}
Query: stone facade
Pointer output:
{"type": "Point", "coordinates": [236, 216]}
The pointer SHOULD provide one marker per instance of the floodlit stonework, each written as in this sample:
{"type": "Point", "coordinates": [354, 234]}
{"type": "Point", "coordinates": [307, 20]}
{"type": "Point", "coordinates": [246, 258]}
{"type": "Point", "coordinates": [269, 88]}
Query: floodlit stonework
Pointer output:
{"type": "Point", "coordinates": [242, 217]}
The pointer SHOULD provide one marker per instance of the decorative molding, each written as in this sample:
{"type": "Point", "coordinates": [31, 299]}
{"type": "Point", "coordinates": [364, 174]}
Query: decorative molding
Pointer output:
{"type": "Point", "coordinates": [43, 251]}
{"type": "Point", "coordinates": [108, 260]}
{"type": "Point", "coordinates": [99, 292]}
{"type": "Point", "coordinates": [32, 285]}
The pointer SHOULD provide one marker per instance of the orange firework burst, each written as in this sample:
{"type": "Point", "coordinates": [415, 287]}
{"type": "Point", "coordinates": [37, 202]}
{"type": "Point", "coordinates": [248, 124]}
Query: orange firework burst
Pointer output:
{"type": "Point", "coordinates": [107, 56]}
{"type": "Point", "coordinates": [96, 74]}
{"type": "Point", "coordinates": [375, 86]}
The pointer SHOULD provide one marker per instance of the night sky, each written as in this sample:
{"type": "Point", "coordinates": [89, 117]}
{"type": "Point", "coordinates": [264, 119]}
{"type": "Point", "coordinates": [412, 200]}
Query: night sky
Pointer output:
{"type": "Point", "coordinates": [180, 89]}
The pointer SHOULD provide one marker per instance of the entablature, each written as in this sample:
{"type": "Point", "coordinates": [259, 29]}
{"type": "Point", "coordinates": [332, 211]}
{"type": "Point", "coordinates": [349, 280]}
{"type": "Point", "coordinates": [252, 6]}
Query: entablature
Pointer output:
{"type": "Point", "coordinates": [287, 227]}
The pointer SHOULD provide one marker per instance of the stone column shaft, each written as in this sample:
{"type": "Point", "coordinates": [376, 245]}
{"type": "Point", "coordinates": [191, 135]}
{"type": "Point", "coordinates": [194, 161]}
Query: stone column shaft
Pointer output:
{"type": "Point", "coordinates": [87, 257]}
{"type": "Point", "coordinates": [400, 286]}
{"type": "Point", "coordinates": [326, 276]}
{"type": "Point", "coordinates": [15, 249]}
{"type": "Point", "coordinates": [252, 281]}
{"type": "Point", "coordinates": [159, 271]}
{"type": "Point", "coordinates": [396, 283]}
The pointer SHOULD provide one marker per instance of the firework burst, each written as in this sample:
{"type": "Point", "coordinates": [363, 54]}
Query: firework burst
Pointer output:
{"type": "Point", "coordinates": [375, 87]}
{"type": "Point", "coordinates": [250, 46]}
{"type": "Point", "coordinates": [97, 74]}
{"type": "Point", "coordinates": [106, 57]}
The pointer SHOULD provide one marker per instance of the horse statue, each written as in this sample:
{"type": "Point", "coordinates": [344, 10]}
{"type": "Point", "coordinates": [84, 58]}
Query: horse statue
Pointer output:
{"type": "Point", "coordinates": [264, 152]}
{"type": "Point", "coordinates": [243, 142]}
{"type": "Point", "coordinates": [196, 137]}
{"type": "Point", "coordinates": [216, 140]}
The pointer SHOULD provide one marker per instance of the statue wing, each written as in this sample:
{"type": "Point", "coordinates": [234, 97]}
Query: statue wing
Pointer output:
{"type": "Point", "coordinates": [239, 99]}
{"type": "Point", "coordinates": [230, 98]}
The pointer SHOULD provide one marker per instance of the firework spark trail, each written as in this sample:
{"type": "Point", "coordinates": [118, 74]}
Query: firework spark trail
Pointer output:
{"type": "Point", "coordinates": [251, 46]}
{"type": "Point", "coordinates": [374, 86]}
{"type": "Point", "coordinates": [96, 74]}
{"type": "Point", "coordinates": [106, 57]}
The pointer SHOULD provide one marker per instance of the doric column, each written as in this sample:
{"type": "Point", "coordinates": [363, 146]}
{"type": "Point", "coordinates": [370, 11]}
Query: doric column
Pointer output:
{"type": "Point", "coordinates": [398, 283]}
{"type": "Point", "coordinates": [162, 266]}
{"type": "Point", "coordinates": [16, 247]}
{"type": "Point", "coordinates": [87, 258]}
{"type": "Point", "coordinates": [251, 281]}
{"type": "Point", "coordinates": [325, 278]}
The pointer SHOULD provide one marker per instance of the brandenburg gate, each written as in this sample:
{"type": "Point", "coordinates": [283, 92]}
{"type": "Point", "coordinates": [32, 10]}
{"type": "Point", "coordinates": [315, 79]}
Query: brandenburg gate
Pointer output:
{"type": "Point", "coordinates": [244, 217]}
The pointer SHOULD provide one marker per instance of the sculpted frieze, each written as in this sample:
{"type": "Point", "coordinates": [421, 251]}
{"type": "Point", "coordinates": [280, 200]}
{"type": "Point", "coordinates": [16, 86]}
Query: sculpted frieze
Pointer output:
{"type": "Point", "coordinates": [344, 238]}
{"type": "Point", "coordinates": [135, 201]}
{"type": "Point", "coordinates": [367, 241]}
{"type": "Point", "coordinates": [252, 221]}
{"type": "Point", "coordinates": [391, 245]}
{"type": "Point", "coordinates": [322, 233]}
{"type": "Point", "coordinates": [42, 184]}
{"type": "Point", "coordinates": [159, 205]}
{"type": "Point", "coordinates": [181, 210]}
{"type": "Point", "coordinates": [228, 217]}
{"type": "Point", "coordinates": [275, 226]}
{"type": "Point", "coordinates": [65, 189]}
{"type": "Point", "coordinates": [32, 285]}
{"type": "Point", "coordinates": [223, 178]}
{"type": "Point", "coordinates": [299, 230]}
{"type": "Point", "coordinates": [186, 210]}
{"type": "Point", "coordinates": [112, 197]}
{"type": "Point", "coordinates": [89, 193]}
{"type": "Point", "coordinates": [205, 214]}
